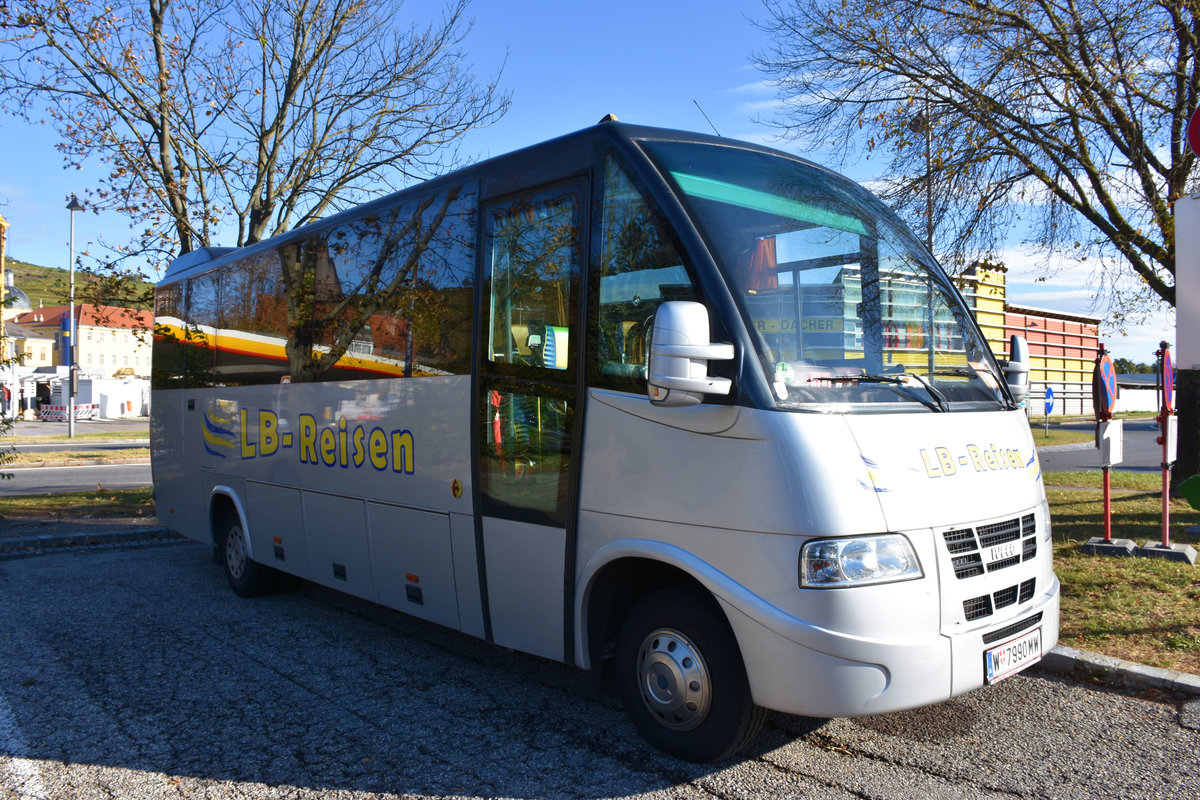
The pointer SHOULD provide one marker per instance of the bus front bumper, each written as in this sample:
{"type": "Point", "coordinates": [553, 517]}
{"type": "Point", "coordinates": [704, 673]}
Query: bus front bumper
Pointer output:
{"type": "Point", "coordinates": [797, 669]}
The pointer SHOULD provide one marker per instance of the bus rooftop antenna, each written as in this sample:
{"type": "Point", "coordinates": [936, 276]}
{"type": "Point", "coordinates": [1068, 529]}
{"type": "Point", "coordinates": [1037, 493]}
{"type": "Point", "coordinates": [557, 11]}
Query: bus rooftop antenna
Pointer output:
{"type": "Point", "coordinates": [706, 119]}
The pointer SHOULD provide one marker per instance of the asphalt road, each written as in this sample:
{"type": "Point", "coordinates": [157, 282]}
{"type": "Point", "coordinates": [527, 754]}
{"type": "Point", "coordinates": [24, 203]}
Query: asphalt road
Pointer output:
{"type": "Point", "coordinates": [1142, 453]}
{"type": "Point", "coordinates": [45, 480]}
{"type": "Point", "coordinates": [136, 673]}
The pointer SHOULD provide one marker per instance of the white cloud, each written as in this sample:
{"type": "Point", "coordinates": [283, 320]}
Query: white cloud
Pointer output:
{"type": "Point", "coordinates": [754, 87]}
{"type": "Point", "coordinates": [1073, 287]}
{"type": "Point", "coordinates": [11, 193]}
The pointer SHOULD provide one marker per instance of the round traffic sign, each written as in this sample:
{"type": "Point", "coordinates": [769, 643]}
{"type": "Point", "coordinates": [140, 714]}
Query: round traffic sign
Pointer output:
{"type": "Point", "coordinates": [1104, 383]}
{"type": "Point", "coordinates": [1049, 399]}
{"type": "Point", "coordinates": [1168, 381]}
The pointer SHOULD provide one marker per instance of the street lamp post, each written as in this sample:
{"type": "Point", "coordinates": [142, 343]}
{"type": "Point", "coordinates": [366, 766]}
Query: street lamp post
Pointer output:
{"type": "Point", "coordinates": [7, 362]}
{"type": "Point", "coordinates": [72, 206]}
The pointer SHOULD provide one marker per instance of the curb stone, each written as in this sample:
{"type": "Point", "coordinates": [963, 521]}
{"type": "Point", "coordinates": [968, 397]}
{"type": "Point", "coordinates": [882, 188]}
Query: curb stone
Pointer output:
{"type": "Point", "coordinates": [1115, 671]}
{"type": "Point", "coordinates": [23, 544]}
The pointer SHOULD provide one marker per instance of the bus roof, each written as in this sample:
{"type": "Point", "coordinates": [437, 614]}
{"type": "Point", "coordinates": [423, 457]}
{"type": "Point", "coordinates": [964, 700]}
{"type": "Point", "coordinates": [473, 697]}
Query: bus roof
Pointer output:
{"type": "Point", "coordinates": [567, 154]}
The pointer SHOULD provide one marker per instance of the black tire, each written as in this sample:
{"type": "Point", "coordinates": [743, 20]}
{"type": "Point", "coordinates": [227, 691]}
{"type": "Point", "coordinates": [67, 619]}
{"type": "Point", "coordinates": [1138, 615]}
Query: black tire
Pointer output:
{"type": "Point", "coordinates": [247, 578]}
{"type": "Point", "coordinates": [681, 677]}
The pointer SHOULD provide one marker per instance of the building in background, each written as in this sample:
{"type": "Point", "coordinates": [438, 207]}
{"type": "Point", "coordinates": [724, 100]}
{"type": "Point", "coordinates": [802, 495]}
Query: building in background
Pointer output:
{"type": "Point", "coordinates": [16, 301]}
{"type": "Point", "coordinates": [113, 342]}
{"type": "Point", "coordinates": [30, 346]}
{"type": "Point", "coordinates": [1063, 350]}
{"type": "Point", "coordinates": [113, 351]}
{"type": "Point", "coordinates": [1062, 347]}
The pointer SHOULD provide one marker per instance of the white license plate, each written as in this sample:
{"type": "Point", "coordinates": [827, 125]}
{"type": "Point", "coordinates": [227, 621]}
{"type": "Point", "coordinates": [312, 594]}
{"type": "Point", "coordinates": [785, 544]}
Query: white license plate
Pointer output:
{"type": "Point", "coordinates": [1003, 551]}
{"type": "Point", "coordinates": [1012, 656]}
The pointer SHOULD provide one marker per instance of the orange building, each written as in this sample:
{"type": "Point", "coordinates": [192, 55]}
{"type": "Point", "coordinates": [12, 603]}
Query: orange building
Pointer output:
{"type": "Point", "coordinates": [1062, 351]}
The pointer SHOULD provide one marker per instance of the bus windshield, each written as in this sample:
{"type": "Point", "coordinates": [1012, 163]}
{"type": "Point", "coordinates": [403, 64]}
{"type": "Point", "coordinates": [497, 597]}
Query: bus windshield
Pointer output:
{"type": "Point", "coordinates": [848, 312]}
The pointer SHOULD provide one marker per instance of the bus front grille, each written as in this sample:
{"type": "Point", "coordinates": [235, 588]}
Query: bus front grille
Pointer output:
{"type": "Point", "coordinates": [988, 604]}
{"type": "Point", "coordinates": [981, 549]}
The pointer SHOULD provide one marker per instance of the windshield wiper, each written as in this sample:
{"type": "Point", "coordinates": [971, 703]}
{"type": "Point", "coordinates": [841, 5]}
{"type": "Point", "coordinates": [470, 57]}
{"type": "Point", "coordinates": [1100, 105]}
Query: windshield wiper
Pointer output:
{"type": "Point", "coordinates": [864, 378]}
{"type": "Point", "coordinates": [942, 403]}
{"type": "Point", "coordinates": [939, 401]}
{"type": "Point", "coordinates": [966, 372]}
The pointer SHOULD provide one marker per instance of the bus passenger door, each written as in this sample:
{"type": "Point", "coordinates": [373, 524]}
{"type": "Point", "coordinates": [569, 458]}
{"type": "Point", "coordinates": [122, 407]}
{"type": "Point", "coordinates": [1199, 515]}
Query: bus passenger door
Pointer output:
{"type": "Point", "coordinates": [526, 412]}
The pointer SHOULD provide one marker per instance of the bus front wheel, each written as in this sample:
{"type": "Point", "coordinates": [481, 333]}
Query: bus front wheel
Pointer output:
{"type": "Point", "coordinates": [246, 578]}
{"type": "Point", "coordinates": [681, 677]}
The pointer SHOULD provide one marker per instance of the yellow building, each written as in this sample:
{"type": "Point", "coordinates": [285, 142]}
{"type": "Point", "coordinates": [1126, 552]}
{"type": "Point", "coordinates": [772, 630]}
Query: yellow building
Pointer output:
{"type": "Point", "coordinates": [985, 292]}
{"type": "Point", "coordinates": [31, 347]}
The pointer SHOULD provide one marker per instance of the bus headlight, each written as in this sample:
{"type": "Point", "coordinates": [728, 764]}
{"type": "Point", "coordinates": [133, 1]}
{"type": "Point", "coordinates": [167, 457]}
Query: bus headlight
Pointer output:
{"type": "Point", "coordinates": [826, 563]}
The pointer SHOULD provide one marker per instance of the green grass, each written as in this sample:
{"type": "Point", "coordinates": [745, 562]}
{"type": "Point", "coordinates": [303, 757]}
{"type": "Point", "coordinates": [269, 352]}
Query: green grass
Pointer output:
{"type": "Point", "coordinates": [106, 502]}
{"type": "Point", "coordinates": [1058, 435]}
{"type": "Point", "coordinates": [75, 457]}
{"type": "Point", "coordinates": [1141, 609]}
{"type": "Point", "coordinates": [44, 285]}
{"type": "Point", "coordinates": [51, 285]}
{"type": "Point", "coordinates": [1094, 479]}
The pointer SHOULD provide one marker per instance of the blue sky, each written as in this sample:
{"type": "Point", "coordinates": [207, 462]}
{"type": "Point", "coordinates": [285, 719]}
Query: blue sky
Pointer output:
{"type": "Point", "coordinates": [568, 64]}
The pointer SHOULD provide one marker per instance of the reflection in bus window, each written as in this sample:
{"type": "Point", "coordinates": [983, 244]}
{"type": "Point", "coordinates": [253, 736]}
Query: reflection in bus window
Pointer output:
{"type": "Point", "coordinates": [254, 322]}
{"type": "Point", "coordinates": [639, 268]}
{"type": "Point", "coordinates": [533, 269]}
{"type": "Point", "coordinates": [404, 289]}
{"type": "Point", "coordinates": [844, 305]}
{"type": "Point", "coordinates": [526, 452]}
{"type": "Point", "coordinates": [170, 349]}
{"type": "Point", "coordinates": [534, 262]}
{"type": "Point", "coordinates": [387, 293]}
{"type": "Point", "coordinates": [200, 329]}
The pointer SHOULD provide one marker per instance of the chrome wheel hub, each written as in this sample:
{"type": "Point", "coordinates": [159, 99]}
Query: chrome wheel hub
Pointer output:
{"type": "Point", "coordinates": [235, 552]}
{"type": "Point", "coordinates": [673, 680]}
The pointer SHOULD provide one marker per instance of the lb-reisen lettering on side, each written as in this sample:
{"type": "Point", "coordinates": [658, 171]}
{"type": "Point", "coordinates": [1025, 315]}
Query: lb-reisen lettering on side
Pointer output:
{"type": "Point", "coordinates": [341, 443]}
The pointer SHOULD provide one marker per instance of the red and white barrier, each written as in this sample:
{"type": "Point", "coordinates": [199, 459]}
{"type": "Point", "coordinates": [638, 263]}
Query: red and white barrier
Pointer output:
{"type": "Point", "coordinates": [59, 413]}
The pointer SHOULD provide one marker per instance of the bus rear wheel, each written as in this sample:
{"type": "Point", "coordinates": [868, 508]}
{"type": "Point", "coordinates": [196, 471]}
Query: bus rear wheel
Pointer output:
{"type": "Point", "coordinates": [246, 577]}
{"type": "Point", "coordinates": [681, 677]}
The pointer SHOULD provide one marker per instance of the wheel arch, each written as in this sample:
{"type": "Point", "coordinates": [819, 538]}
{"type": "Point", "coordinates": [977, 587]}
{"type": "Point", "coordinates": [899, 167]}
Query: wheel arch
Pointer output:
{"type": "Point", "coordinates": [620, 575]}
{"type": "Point", "coordinates": [223, 501]}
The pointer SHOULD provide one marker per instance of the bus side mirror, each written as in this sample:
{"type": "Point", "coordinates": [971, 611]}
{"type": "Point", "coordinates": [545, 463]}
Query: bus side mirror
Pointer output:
{"type": "Point", "coordinates": [1016, 369]}
{"type": "Point", "coordinates": [679, 356]}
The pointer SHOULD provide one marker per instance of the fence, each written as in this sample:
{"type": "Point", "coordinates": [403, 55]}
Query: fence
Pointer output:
{"type": "Point", "coordinates": [1070, 399]}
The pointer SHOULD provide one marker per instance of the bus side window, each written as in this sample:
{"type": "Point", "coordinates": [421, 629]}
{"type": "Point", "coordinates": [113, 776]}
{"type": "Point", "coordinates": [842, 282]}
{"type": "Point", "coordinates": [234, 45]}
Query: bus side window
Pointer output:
{"type": "Point", "coordinates": [254, 325]}
{"type": "Point", "coordinates": [639, 267]}
{"type": "Point", "coordinates": [534, 254]}
{"type": "Point", "coordinates": [203, 320]}
{"type": "Point", "coordinates": [170, 331]}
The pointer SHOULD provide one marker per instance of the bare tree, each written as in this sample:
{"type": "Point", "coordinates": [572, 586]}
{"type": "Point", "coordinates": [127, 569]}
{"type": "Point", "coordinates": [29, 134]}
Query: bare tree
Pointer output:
{"type": "Point", "coordinates": [1068, 115]}
{"type": "Point", "coordinates": [226, 122]}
